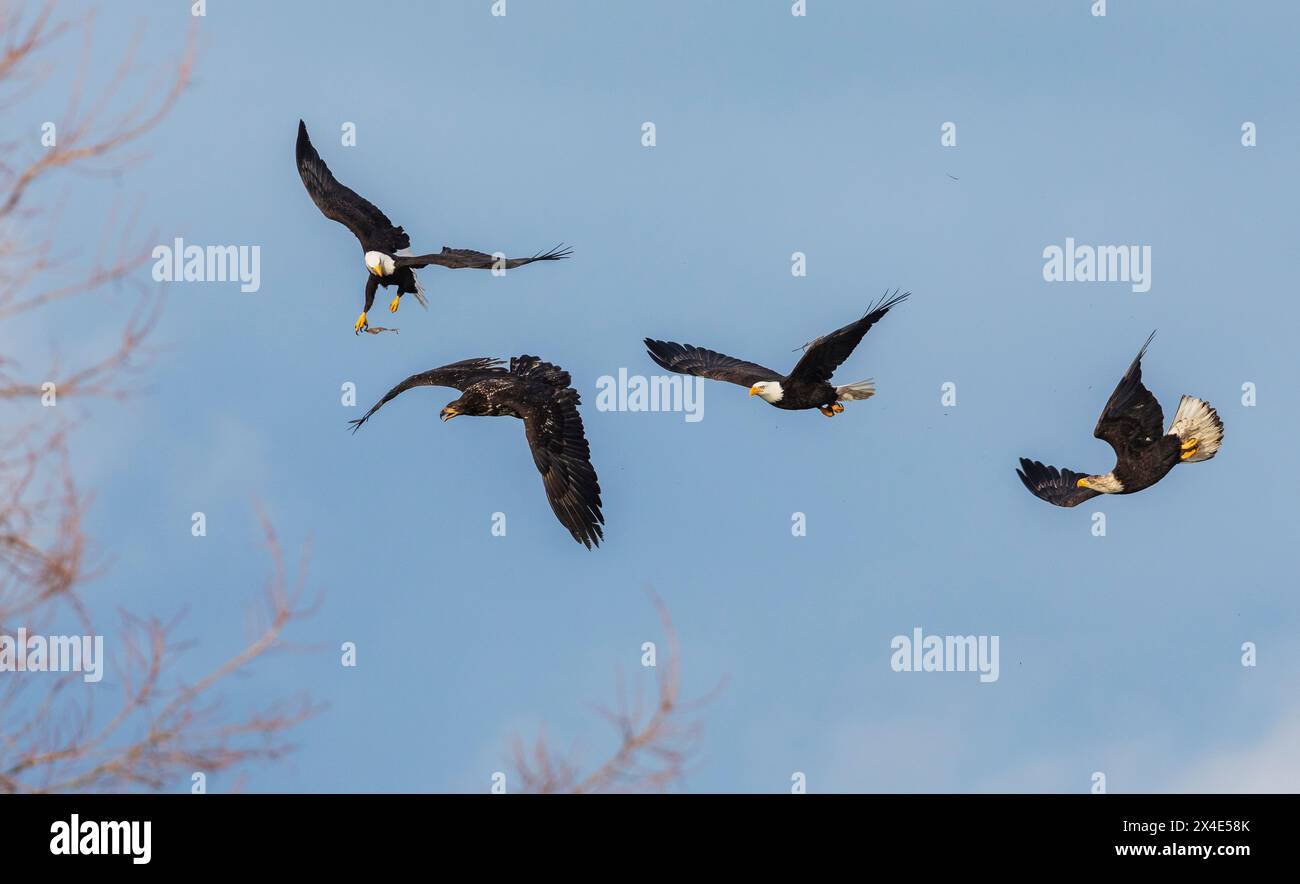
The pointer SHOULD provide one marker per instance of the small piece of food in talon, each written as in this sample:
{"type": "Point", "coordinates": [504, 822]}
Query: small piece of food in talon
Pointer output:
{"type": "Point", "coordinates": [392, 307]}
{"type": "Point", "coordinates": [385, 246]}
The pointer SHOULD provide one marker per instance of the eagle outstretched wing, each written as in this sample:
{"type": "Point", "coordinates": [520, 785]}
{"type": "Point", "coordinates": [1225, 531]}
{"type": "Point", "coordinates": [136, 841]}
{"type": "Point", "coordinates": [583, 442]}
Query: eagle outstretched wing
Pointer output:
{"type": "Point", "coordinates": [1052, 485]}
{"type": "Point", "coordinates": [560, 450]}
{"type": "Point", "coordinates": [686, 359]}
{"type": "Point", "coordinates": [468, 258]}
{"type": "Point", "coordinates": [457, 375]}
{"type": "Point", "coordinates": [344, 205]}
{"type": "Point", "coordinates": [1132, 418]}
{"type": "Point", "coordinates": [825, 354]}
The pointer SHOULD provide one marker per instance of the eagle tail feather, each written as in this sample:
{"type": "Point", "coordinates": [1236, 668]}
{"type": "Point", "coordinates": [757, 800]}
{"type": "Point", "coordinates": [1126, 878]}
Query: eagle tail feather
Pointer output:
{"type": "Point", "coordinates": [419, 291]}
{"type": "Point", "coordinates": [857, 390]}
{"type": "Point", "coordinates": [1197, 419]}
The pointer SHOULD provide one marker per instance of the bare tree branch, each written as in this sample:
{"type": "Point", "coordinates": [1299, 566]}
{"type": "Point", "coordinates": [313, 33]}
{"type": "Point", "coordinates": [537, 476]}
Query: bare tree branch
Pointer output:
{"type": "Point", "coordinates": [655, 744]}
{"type": "Point", "coordinates": [156, 730]}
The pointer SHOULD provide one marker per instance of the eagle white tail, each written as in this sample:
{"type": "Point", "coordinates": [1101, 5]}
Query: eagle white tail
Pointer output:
{"type": "Point", "coordinates": [419, 288]}
{"type": "Point", "coordinates": [419, 291]}
{"type": "Point", "coordinates": [860, 390]}
{"type": "Point", "coordinates": [1197, 420]}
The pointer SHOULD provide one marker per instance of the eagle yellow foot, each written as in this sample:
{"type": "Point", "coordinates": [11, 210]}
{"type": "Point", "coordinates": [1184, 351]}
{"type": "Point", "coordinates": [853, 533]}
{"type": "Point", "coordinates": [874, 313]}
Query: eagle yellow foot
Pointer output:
{"type": "Point", "coordinates": [827, 411]}
{"type": "Point", "coordinates": [1190, 447]}
{"type": "Point", "coordinates": [1191, 452]}
{"type": "Point", "coordinates": [392, 306]}
{"type": "Point", "coordinates": [1190, 443]}
{"type": "Point", "coordinates": [361, 324]}
{"type": "Point", "coordinates": [836, 407]}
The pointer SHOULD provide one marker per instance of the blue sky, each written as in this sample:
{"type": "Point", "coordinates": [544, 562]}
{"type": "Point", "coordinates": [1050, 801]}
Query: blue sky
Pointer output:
{"type": "Point", "coordinates": [775, 134]}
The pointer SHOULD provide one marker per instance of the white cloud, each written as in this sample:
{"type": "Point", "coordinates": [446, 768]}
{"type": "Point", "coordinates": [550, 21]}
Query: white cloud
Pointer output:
{"type": "Point", "coordinates": [1270, 763]}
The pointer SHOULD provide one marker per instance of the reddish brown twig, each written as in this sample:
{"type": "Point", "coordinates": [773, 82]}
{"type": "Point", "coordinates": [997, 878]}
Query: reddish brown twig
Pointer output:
{"type": "Point", "coordinates": [655, 744]}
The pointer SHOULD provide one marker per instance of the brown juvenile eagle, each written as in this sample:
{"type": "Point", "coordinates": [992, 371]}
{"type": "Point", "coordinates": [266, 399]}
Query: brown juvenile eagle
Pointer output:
{"type": "Point", "coordinates": [540, 394]}
{"type": "Point", "coordinates": [806, 386]}
{"type": "Point", "coordinates": [387, 248]}
{"type": "Point", "coordinates": [1144, 453]}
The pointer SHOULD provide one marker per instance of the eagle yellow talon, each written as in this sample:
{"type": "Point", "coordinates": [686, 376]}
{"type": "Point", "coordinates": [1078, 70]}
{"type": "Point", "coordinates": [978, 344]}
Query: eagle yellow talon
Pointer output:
{"type": "Point", "coordinates": [1190, 444]}
{"type": "Point", "coordinates": [392, 306]}
{"type": "Point", "coordinates": [1190, 452]}
{"type": "Point", "coordinates": [837, 408]}
{"type": "Point", "coordinates": [361, 323]}
{"type": "Point", "coordinates": [826, 411]}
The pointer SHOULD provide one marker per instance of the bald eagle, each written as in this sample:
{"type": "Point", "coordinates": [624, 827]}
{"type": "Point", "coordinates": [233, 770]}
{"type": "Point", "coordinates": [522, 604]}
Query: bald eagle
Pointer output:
{"type": "Point", "coordinates": [1144, 454]}
{"type": "Point", "coordinates": [387, 248]}
{"type": "Point", "coordinates": [538, 393]}
{"type": "Point", "coordinates": [806, 386]}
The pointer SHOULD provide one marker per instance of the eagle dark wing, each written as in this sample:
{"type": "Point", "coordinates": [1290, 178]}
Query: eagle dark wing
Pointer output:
{"type": "Point", "coordinates": [468, 258]}
{"type": "Point", "coordinates": [1132, 418]}
{"type": "Point", "coordinates": [685, 359]}
{"type": "Point", "coordinates": [825, 354]}
{"type": "Point", "coordinates": [344, 205]}
{"type": "Point", "coordinates": [553, 426]}
{"type": "Point", "coordinates": [458, 375]}
{"type": "Point", "coordinates": [1052, 485]}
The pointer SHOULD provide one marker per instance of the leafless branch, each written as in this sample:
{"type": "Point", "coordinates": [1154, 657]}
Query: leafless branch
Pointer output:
{"type": "Point", "coordinates": [157, 729]}
{"type": "Point", "coordinates": [655, 742]}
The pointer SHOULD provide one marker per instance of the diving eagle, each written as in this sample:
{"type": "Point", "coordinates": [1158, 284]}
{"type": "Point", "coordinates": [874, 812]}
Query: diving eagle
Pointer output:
{"type": "Point", "coordinates": [1130, 423]}
{"type": "Point", "coordinates": [387, 248]}
{"type": "Point", "coordinates": [538, 393]}
{"type": "Point", "coordinates": [806, 386]}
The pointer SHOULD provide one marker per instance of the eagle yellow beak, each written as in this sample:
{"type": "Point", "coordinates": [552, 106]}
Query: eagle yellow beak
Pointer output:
{"type": "Point", "coordinates": [374, 270]}
{"type": "Point", "coordinates": [754, 391]}
{"type": "Point", "coordinates": [448, 413]}
{"type": "Point", "coordinates": [1082, 483]}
